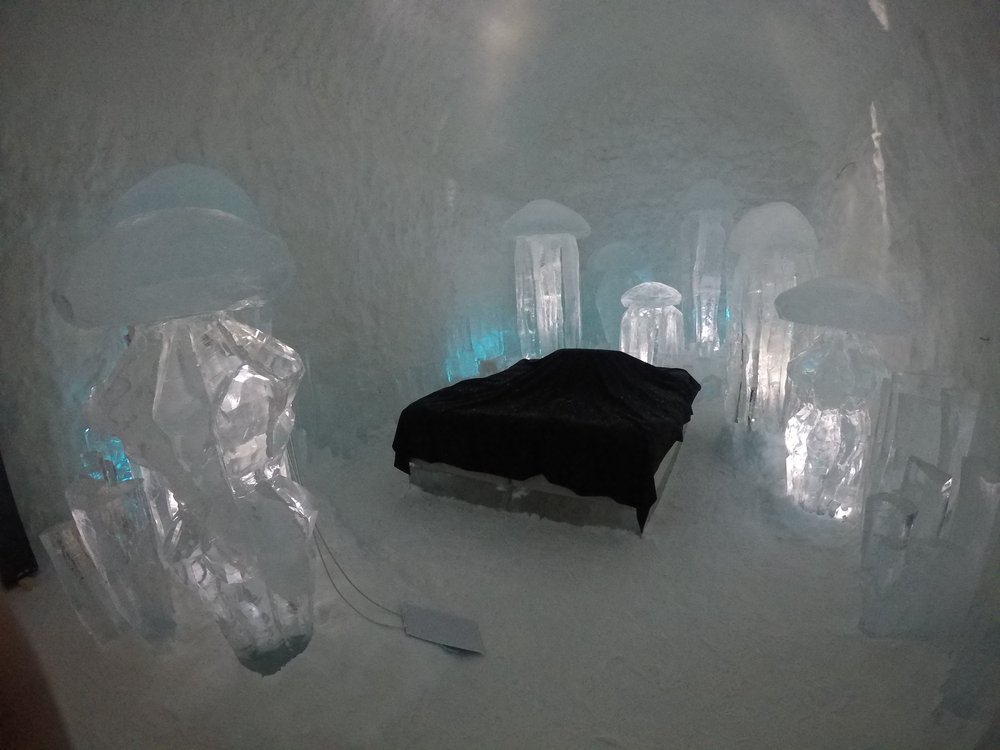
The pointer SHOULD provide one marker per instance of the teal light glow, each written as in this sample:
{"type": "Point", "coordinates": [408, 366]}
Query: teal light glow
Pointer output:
{"type": "Point", "coordinates": [105, 459]}
{"type": "Point", "coordinates": [467, 352]}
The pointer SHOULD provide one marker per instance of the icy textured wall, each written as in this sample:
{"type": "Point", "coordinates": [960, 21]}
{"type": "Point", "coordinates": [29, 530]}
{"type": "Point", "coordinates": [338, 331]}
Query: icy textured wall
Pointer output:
{"type": "Point", "coordinates": [386, 141]}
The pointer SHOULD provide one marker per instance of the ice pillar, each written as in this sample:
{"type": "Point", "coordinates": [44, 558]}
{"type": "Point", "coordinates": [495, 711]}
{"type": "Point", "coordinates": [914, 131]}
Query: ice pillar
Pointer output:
{"type": "Point", "coordinates": [775, 246]}
{"type": "Point", "coordinates": [547, 276]}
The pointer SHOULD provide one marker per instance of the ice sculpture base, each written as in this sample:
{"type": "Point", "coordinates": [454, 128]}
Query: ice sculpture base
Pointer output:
{"type": "Point", "coordinates": [535, 495]}
{"type": "Point", "coordinates": [266, 663]}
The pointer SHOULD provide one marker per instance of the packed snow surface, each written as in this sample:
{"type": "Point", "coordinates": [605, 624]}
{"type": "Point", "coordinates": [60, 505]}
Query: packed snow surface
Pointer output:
{"type": "Point", "coordinates": [731, 624]}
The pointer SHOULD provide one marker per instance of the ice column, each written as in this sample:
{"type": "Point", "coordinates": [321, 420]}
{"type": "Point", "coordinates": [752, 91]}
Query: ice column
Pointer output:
{"type": "Point", "coordinates": [547, 276]}
{"type": "Point", "coordinates": [709, 208]}
{"type": "Point", "coordinates": [201, 402]}
{"type": "Point", "coordinates": [835, 379]}
{"type": "Point", "coordinates": [775, 245]}
{"type": "Point", "coordinates": [652, 327]}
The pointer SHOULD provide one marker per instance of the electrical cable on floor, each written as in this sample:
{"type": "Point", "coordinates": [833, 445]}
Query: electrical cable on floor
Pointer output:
{"type": "Point", "coordinates": [340, 593]}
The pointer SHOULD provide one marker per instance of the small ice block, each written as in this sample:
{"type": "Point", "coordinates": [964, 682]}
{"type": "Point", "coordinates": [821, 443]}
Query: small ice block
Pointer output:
{"type": "Point", "coordinates": [441, 628]}
{"type": "Point", "coordinates": [929, 489]}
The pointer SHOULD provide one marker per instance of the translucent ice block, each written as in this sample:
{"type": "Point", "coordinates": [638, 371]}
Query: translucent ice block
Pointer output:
{"type": "Point", "coordinates": [547, 285]}
{"type": "Point", "coordinates": [974, 523]}
{"type": "Point", "coordinates": [116, 530]}
{"type": "Point", "coordinates": [928, 488]}
{"type": "Point", "coordinates": [652, 328]}
{"type": "Point", "coordinates": [82, 582]}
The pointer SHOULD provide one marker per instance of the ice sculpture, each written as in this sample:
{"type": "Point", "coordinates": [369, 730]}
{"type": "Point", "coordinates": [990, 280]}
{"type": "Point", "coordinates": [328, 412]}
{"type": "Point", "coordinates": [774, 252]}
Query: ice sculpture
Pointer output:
{"type": "Point", "coordinates": [169, 255]}
{"type": "Point", "coordinates": [620, 267]}
{"type": "Point", "coordinates": [836, 379]}
{"type": "Point", "coordinates": [547, 276]}
{"type": "Point", "coordinates": [652, 327]}
{"type": "Point", "coordinates": [709, 208]}
{"type": "Point", "coordinates": [202, 404]}
{"type": "Point", "coordinates": [775, 245]}
{"type": "Point", "coordinates": [922, 562]}
{"type": "Point", "coordinates": [116, 530]}
{"type": "Point", "coordinates": [923, 415]}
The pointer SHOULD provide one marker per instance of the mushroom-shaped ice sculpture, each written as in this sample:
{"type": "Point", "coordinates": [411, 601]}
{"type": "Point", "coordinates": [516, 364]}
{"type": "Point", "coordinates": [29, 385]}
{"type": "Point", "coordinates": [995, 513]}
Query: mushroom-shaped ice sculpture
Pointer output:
{"type": "Point", "coordinates": [202, 404]}
{"type": "Point", "coordinates": [547, 276]}
{"type": "Point", "coordinates": [708, 210]}
{"type": "Point", "coordinates": [835, 380]}
{"type": "Point", "coordinates": [776, 247]}
{"type": "Point", "coordinates": [652, 327]}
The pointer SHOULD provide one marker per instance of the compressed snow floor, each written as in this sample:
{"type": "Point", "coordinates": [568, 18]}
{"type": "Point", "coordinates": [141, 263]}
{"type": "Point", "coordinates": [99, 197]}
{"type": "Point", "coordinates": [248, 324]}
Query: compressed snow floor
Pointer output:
{"type": "Point", "coordinates": [730, 624]}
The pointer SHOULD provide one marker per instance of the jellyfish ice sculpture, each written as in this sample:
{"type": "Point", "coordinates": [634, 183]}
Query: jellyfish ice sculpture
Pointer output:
{"type": "Point", "coordinates": [835, 379]}
{"type": "Point", "coordinates": [776, 247]}
{"type": "Point", "coordinates": [547, 276]}
{"type": "Point", "coordinates": [708, 209]}
{"type": "Point", "coordinates": [652, 327]}
{"type": "Point", "coordinates": [202, 401]}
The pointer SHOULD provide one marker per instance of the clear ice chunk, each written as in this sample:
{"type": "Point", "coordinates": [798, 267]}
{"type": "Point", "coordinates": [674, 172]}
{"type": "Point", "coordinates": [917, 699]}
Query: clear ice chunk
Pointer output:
{"type": "Point", "coordinates": [116, 531]}
{"type": "Point", "coordinates": [910, 421]}
{"type": "Point", "coordinates": [547, 276]}
{"type": "Point", "coordinates": [775, 245]}
{"type": "Point", "coordinates": [204, 406]}
{"type": "Point", "coordinates": [929, 489]}
{"type": "Point", "coordinates": [826, 440]}
{"type": "Point", "coordinates": [652, 328]}
{"type": "Point", "coordinates": [83, 582]}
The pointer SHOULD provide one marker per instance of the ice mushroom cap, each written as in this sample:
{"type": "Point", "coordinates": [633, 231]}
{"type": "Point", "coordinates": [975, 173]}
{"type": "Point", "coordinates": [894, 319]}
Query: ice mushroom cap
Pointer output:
{"type": "Point", "coordinates": [545, 217]}
{"type": "Point", "coordinates": [773, 226]}
{"type": "Point", "coordinates": [183, 253]}
{"type": "Point", "coordinates": [185, 186]}
{"type": "Point", "coordinates": [847, 304]}
{"type": "Point", "coordinates": [651, 294]}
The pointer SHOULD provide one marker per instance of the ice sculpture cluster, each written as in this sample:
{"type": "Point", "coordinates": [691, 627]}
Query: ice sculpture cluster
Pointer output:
{"type": "Point", "coordinates": [836, 378]}
{"type": "Point", "coordinates": [929, 525]}
{"type": "Point", "coordinates": [187, 468]}
{"type": "Point", "coordinates": [652, 328]}
{"type": "Point", "coordinates": [923, 554]}
{"type": "Point", "coordinates": [709, 208]}
{"type": "Point", "coordinates": [776, 246]}
{"type": "Point", "coordinates": [547, 276]}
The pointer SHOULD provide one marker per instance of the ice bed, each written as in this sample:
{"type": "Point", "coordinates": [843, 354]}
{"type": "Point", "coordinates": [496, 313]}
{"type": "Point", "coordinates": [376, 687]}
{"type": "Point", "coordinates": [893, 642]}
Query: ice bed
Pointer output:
{"type": "Point", "coordinates": [581, 435]}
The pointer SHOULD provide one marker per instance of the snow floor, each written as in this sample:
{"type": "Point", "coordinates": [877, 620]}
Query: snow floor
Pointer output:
{"type": "Point", "coordinates": [730, 624]}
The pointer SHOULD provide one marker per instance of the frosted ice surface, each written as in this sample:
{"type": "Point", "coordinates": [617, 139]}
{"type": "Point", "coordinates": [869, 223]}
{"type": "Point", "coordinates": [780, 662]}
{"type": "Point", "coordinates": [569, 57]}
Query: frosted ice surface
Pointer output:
{"type": "Point", "coordinates": [204, 405]}
{"type": "Point", "coordinates": [773, 228]}
{"type": "Point", "coordinates": [975, 520]}
{"type": "Point", "coordinates": [547, 276]}
{"type": "Point", "coordinates": [652, 328]}
{"type": "Point", "coordinates": [171, 263]}
{"type": "Point", "coordinates": [545, 217]}
{"type": "Point", "coordinates": [185, 186]}
{"type": "Point", "coordinates": [842, 303]}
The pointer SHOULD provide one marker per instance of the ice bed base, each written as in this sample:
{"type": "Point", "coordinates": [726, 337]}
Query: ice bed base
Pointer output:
{"type": "Point", "coordinates": [536, 495]}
